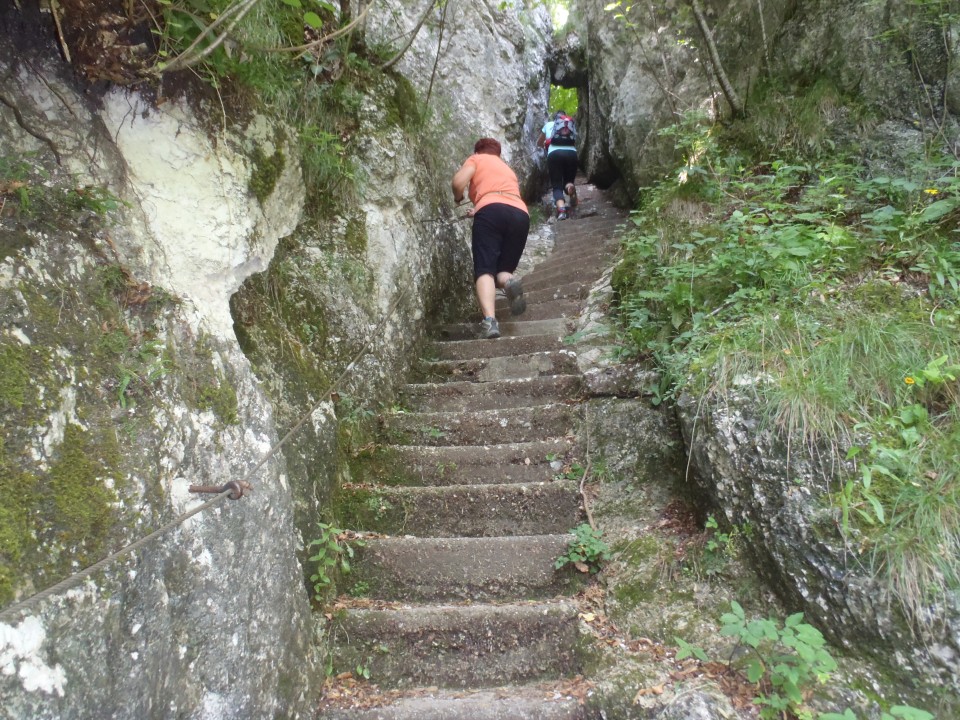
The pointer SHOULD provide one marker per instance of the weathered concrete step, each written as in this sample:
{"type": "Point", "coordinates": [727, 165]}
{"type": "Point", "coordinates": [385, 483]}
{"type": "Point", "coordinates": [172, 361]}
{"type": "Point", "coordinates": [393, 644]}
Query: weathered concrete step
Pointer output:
{"type": "Point", "coordinates": [562, 266]}
{"type": "Point", "coordinates": [544, 508]}
{"type": "Point", "coordinates": [491, 369]}
{"type": "Point", "coordinates": [504, 703]}
{"type": "Point", "coordinates": [595, 215]}
{"type": "Point", "coordinates": [481, 427]}
{"type": "Point", "coordinates": [504, 347]}
{"type": "Point", "coordinates": [587, 230]}
{"type": "Point", "coordinates": [570, 291]}
{"type": "Point", "coordinates": [562, 276]}
{"type": "Point", "coordinates": [459, 646]}
{"type": "Point", "coordinates": [541, 311]}
{"type": "Point", "coordinates": [453, 569]}
{"type": "Point", "coordinates": [467, 395]}
{"type": "Point", "coordinates": [471, 331]}
{"type": "Point", "coordinates": [595, 243]}
{"type": "Point", "coordinates": [464, 464]}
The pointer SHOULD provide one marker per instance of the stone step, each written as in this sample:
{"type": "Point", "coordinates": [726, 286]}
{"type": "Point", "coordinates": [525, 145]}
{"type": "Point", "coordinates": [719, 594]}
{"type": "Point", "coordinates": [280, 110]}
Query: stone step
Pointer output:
{"type": "Point", "coordinates": [471, 331]}
{"type": "Point", "coordinates": [562, 276]}
{"type": "Point", "coordinates": [564, 250]}
{"type": "Point", "coordinates": [504, 347]}
{"type": "Point", "coordinates": [596, 260]}
{"type": "Point", "coordinates": [567, 291]}
{"type": "Point", "coordinates": [540, 311]}
{"type": "Point", "coordinates": [459, 569]}
{"type": "Point", "coordinates": [507, 509]}
{"type": "Point", "coordinates": [586, 232]}
{"type": "Point", "coordinates": [459, 646]}
{"type": "Point", "coordinates": [542, 702]}
{"type": "Point", "coordinates": [481, 427]}
{"type": "Point", "coordinates": [464, 464]}
{"type": "Point", "coordinates": [463, 395]}
{"type": "Point", "coordinates": [491, 369]}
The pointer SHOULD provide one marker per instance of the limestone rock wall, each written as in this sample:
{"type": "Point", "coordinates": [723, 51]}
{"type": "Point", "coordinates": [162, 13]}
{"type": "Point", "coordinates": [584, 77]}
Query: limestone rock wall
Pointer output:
{"type": "Point", "coordinates": [166, 315]}
{"type": "Point", "coordinates": [644, 70]}
{"type": "Point", "coordinates": [123, 385]}
{"type": "Point", "coordinates": [484, 64]}
{"type": "Point", "coordinates": [647, 68]}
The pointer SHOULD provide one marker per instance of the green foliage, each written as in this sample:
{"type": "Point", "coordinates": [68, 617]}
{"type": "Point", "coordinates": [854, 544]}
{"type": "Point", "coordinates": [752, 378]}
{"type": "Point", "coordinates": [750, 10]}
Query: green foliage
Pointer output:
{"type": "Point", "coordinates": [25, 190]}
{"type": "Point", "coordinates": [721, 546]}
{"type": "Point", "coordinates": [332, 553]}
{"type": "Point", "coordinates": [571, 470]}
{"type": "Point", "coordinates": [586, 551]}
{"type": "Point", "coordinates": [832, 295]}
{"type": "Point", "coordinates": [786, 660]}
{"type": "Point", "coordinates": [141, 367]}
{"type": "Point", "coordinates": [318, 90]}
{"type": "Point", "coordinates": [360, 589]}
{"type": "Point", "coordinates": [565, 99]}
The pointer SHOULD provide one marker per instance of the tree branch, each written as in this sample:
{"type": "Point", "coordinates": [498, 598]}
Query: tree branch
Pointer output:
{"type": "Point", "coordinates": [413, 34]}
{"type": "Point", "coordinates": [728, 91]}
{"type": "Point", "coordinates": [233, 14]}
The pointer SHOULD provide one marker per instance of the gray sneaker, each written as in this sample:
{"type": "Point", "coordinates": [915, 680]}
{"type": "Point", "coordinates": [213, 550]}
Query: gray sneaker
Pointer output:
{"type": "Point", "coordinates": [489, 328]}
{"type": "Point", "coordinates": [514, 292]}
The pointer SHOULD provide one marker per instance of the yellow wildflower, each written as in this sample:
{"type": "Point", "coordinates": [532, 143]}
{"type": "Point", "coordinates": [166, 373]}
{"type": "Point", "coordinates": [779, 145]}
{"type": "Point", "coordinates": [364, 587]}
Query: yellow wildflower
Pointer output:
{"type": "Point", "coordinates": [909, 380]}
{"type": "Point", "coordinates": [932, 191]}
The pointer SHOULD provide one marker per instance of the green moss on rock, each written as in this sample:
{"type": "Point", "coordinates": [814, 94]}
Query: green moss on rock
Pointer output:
{"type": "Point", "coordinates": [221, 398]}
{"type": "Point", "coordinates": [81, 489]}
{"type": "Point", "coordinates": [266, 171]}
{"type": "Point", "coordinates": [14, 376]}
{"type": "Point", "coordinates": [19, 491]}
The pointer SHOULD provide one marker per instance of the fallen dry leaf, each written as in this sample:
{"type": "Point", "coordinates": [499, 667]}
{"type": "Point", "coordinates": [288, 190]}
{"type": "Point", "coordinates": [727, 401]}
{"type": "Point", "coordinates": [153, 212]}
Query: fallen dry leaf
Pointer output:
{"type": "Point", "coordinates": [643, 692]}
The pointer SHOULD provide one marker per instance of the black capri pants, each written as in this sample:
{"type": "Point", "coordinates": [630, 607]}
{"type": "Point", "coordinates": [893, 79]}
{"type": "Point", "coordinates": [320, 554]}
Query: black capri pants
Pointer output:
{"type": "Point", "coordinates": [562, 166]}
{"type": "Point", "coordinates": [498, 238]}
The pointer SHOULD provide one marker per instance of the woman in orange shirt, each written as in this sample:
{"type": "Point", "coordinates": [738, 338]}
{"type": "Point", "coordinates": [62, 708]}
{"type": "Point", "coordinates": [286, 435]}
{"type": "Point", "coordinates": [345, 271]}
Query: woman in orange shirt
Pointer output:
{"type": "Point", "coordinates": [500, 227]}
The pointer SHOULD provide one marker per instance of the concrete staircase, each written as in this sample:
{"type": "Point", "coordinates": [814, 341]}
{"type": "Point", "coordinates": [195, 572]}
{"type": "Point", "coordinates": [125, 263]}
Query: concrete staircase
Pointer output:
{"type": "Point", "coordinates": [464, 615]}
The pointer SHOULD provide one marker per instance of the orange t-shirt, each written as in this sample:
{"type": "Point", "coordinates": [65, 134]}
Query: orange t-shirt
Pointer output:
{"type": "Point", "coordinates": [493, 182]}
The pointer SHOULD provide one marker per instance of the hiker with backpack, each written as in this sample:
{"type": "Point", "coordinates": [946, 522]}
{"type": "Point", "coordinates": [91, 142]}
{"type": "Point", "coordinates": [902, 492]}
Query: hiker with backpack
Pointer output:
{"type": "Point", "coordinates": [501, 223]}
{"type": "Point", "coordinates": [559, 138]}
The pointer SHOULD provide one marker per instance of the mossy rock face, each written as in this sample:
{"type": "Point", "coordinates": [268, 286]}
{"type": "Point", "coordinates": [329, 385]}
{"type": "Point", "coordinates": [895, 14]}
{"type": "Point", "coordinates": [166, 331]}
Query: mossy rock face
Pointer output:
{"type": "Point", "coordinates": [84, 377]}
{"type": "Point", "coordinates": [377, 463]}
{"type": "Point", "coordinates": [370, 508]}
{"type": "Point", "coordinates": [266, 172]}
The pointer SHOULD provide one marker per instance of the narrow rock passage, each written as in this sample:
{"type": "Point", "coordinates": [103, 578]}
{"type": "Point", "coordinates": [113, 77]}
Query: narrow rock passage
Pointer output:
{"type": "Point", "coordinates": [464, 615]}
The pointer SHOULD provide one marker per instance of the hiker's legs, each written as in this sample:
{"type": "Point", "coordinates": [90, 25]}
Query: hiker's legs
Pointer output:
{"type": "Point", "coordinates": [555, 168]}
{"type": "Point", "coordinates": [486, 294]}
{"type": "Point", "coordinates": [515, 231]}
{"type": "Point", "coordinates": [498, 238]}
{"type": "Point", "coordinates": [568, 171]}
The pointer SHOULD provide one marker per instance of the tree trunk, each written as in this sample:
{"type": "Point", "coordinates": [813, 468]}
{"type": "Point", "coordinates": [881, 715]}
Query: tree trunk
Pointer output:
{"type": "Point", "coordinates": [736, 104]}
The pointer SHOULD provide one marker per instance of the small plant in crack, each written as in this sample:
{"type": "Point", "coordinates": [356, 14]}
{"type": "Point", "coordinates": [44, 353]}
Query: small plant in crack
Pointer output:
{"type": "Point", "coordinates": [586, 551]}
{"type": "Point", "coordinates": [332, 551]}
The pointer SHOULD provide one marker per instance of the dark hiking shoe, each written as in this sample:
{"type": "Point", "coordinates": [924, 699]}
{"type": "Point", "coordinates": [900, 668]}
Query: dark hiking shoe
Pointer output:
{"type": "Point", "coordinates": [572, 194]}
{"type": "Point", "coordinates": [562, 214]}
{"type": "Point", "coordinates": [514, 292]}
{"type": "Point", "coordinates": [489, 328]}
